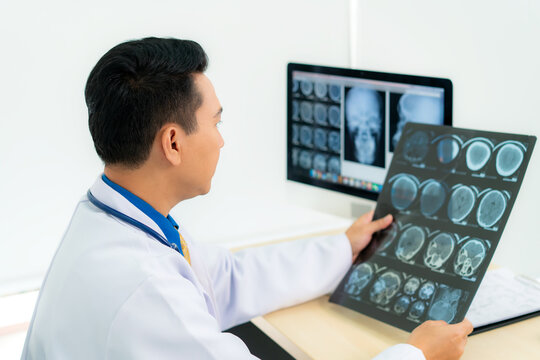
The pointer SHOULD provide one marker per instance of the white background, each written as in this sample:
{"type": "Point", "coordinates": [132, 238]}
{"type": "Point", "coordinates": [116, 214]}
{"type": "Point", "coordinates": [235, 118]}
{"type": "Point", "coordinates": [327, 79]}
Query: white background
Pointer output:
{"type": "Point", "coordinates": [490, 49]}
{"type": "Point", "coordinates": [47, 160]}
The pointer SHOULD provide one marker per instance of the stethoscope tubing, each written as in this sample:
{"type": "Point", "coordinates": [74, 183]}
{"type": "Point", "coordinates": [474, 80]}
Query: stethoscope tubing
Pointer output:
{"type": "Point", "coordinates": [109, 210]}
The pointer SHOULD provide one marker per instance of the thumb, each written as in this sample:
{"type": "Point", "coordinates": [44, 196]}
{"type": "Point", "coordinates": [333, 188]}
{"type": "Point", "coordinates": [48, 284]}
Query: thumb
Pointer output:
{"type": "Point", "coordinates": [464, 327]}
{"type": "Point", "coordinates": [380, 224]}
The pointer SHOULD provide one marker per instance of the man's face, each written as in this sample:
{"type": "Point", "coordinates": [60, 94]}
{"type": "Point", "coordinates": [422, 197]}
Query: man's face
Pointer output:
{"type": "Point", "coordinates": [364, 123]}
{"type": "Point", "coordinates": [201, 149]}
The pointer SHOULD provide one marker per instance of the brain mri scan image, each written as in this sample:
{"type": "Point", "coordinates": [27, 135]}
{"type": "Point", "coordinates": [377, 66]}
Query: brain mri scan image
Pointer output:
{"type": "Point", "coordinates": [334, 116]}
{"type": "Point", "coordinates": [295, 135]}
{"type": "Point", "coordinates": [319, 162]}
{"type": "Point", "coordinates": [364, 119]}
{"type": "Point", "coordinates": [296, 85]}
{"type": "Point", "coordinates": [417, 309]}
{"type": "Point", "coordinates": [445, 304]}
{"type": "Point", "coordinates": [410, 242]}
{"type": "Point", "coordinates": [294, 155]}
{"type": "Point", "coordinates": [334, 141]}
{"type": "Point", "coordinates": [320, 114]}
{"type": "Point", "coordinates": [509, 158]}
{"type": "Point", "coordinates": [306, 87]}
{"type": "Point", "coordinates": [306, 111]}
{"type": "Point", "coordinates": [417, 108]}
{"type": "Point", "coordinates": [402, 304]}
{"type": "Point", "coordinates": [320, 139]}
{"type": "Point", "coordinates": [432, 198]}
{"type": "Point", "coordinates": [320, 90]}
{"type": "Point", "coordinates": [478, 154]}
{"type": "Point", "coordinates": [439, 250]}
{"type": "Point", "coordinates": [403, 191]}
{"type": "Point", "coordinates": [461, 203]}
{"type": "Point", "coordinates": [359, 278]}
{"type": "Point", "coordinates": [334, 165]}
{"type": "Point", "coordinates": [416, 147]}
{"type": "Point", "coordinates": [426, 290]}
{"type": "Point", "coordinates": [295, 110]}
{"type": "Point", "coordinates": [411, 286]}
{"type": "Point", "coordinates": [306, 136]}
{"type": "Point", "coordinates": [335, 93]}
{"type": "Point", "coordinates": [491, 208]}
{"type": "Point", "coordinates": [305, 159]}
{"type": "Point", "coordinates": [448, 150]}
{"type": "Point", "coordinates": [469, 257]}
{"type": "Point", "coordinates": [389, 234]}
{"type": "Point", "coordinates": [385, 288]}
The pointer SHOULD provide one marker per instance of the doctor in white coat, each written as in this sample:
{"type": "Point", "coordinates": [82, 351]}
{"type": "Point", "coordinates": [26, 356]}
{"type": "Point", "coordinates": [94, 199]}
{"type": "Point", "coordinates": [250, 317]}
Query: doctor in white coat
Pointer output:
{"type": "Point", "coordinates": [127, 281]}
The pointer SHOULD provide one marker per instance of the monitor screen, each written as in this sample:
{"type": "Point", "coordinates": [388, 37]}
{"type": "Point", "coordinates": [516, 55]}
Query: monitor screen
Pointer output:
{"type": "Point", "coordinates": [343, 124]}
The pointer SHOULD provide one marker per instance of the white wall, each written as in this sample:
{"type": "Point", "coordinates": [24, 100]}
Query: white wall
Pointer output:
{"type": "Point", "coordinates": [490, 50]}
{"type": "Point", "coordinates": [47, 159]}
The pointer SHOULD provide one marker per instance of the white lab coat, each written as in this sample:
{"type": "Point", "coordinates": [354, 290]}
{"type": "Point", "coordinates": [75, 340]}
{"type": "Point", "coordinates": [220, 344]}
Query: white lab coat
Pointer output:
{"type": "Point", "coordinates": [114, 292]}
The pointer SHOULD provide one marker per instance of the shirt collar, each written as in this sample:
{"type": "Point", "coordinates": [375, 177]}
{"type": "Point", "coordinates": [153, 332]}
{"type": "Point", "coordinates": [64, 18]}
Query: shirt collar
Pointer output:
{"type": "Point", "coordinates": [129, 204]}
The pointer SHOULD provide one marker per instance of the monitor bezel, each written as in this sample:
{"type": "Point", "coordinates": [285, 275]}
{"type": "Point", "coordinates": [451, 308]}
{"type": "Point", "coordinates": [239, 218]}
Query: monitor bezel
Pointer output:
{"type": "Point", "coordinates": [444, 83]}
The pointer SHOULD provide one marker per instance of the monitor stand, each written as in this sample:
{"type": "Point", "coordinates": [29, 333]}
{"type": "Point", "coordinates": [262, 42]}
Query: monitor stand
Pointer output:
{"type": "Point", "coordinates": [360, 208]}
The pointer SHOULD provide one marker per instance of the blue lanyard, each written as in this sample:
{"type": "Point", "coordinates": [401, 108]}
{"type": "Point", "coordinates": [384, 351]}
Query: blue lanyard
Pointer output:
{"type": "Point", "coordinates": [109, 210]}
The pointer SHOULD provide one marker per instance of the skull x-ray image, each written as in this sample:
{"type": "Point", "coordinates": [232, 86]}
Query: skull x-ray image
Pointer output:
{"type": "Point", "coordinates": [450, 192]}
{"type": "Point", "coordinates": [359, 278]}
{"type": "Point", "coordinates": [413, 107]}
{"type": "Point", "coordinates": [385, 288]}
{"type": "Point", "coordinates": [365, 126]}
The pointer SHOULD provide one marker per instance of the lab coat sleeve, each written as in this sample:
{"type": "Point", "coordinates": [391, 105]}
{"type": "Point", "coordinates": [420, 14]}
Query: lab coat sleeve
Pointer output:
{"type": "Point", "coordinates": [262, 279]}
{"type": "Point", "coordinates": [166, 318]}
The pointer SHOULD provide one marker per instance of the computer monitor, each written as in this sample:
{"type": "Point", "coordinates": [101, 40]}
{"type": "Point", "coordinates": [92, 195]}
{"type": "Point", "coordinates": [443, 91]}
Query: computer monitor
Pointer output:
{"type": "Point", "coordinates": [343, 124]}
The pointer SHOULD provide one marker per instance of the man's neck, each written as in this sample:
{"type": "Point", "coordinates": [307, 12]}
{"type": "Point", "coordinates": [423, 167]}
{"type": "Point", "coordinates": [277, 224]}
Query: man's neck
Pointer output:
{"type": "Point", "coordinates": [144, 184]}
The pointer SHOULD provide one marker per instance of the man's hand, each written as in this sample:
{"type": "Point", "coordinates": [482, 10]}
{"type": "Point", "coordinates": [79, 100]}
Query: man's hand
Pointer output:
{"type": "Point", "coordinates": [440, 341]}
{"type": "Point", "coordinates": [361, 230]}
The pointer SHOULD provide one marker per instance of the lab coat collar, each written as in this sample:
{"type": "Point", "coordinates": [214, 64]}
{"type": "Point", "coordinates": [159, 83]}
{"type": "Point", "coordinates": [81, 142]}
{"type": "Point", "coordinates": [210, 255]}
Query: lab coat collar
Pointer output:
{"type": "Point", "coordinates": [122, 200]}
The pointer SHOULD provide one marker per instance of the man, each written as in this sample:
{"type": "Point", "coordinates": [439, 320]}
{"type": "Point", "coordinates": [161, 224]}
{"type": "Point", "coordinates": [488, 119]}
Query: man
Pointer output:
{"type": "Point", "coordinates": [126, 281]}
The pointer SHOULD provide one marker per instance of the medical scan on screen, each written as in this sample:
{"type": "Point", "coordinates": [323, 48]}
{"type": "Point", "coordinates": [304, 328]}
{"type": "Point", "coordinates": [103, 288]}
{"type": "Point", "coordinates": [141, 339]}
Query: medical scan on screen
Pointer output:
{"type": "Point", "coordinates": [450, 191]}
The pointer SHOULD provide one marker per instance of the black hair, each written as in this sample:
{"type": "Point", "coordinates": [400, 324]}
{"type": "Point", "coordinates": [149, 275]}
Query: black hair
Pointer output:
{"type": "Point", "coordinates": [136, 88]}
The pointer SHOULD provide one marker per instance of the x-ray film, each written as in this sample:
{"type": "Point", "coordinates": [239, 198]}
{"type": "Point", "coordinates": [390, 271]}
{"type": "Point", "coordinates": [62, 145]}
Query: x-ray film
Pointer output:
{"type": "Point", "coordinates": [450, 191]}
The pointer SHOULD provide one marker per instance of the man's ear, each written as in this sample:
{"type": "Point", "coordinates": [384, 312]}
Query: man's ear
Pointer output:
{"type": "Point", "coordinates": [171, 136]}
